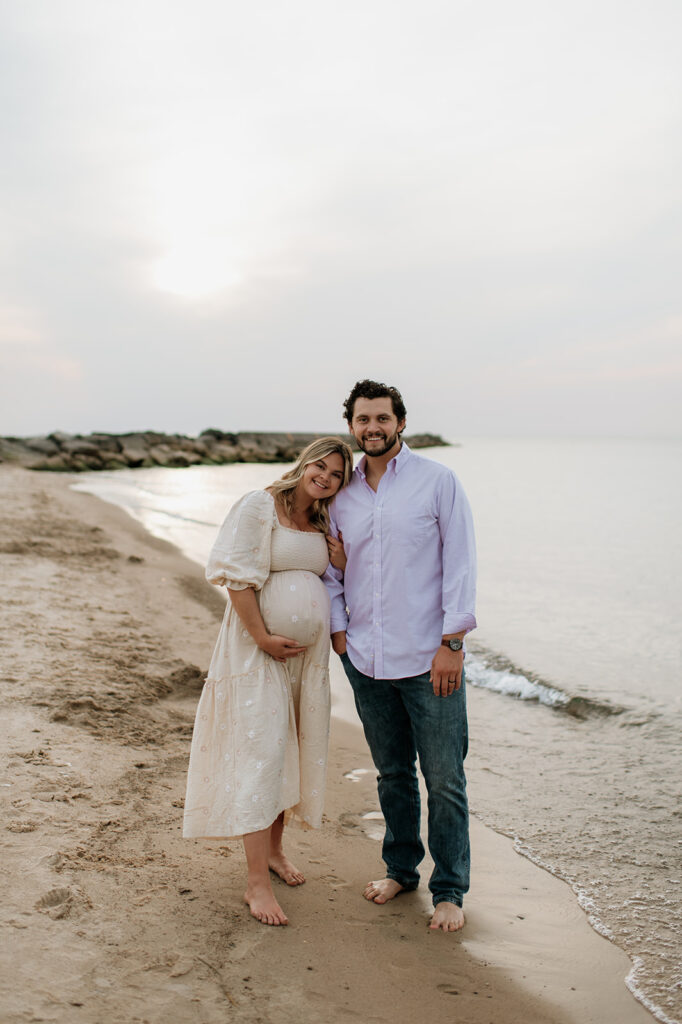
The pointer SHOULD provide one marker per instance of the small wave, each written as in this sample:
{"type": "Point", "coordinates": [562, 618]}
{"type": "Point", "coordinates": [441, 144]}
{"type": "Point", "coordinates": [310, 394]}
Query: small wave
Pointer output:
{"type": "Point", "coordinates": [588, 906]}
{"type": "Point", "coordinates": [134, 503]}
{"type": "Point", "coordinates": [632, 983]}
{"type": "Point", "coordinates": [175, 515]}
{"type": "Point", "coordinates": [493, 672]}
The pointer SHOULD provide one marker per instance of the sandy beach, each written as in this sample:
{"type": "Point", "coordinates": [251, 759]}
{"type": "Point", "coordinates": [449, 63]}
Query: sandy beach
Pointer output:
{"type": "Point", "coordinates": [110, 916]}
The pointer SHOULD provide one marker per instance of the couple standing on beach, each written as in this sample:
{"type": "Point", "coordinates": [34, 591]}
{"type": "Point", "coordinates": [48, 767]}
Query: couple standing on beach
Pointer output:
{"type": "Point", "coordinates": [383, 557]}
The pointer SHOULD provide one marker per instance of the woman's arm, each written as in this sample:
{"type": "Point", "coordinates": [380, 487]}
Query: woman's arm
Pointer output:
{"type": "Point", "coordinates": [246, 606]}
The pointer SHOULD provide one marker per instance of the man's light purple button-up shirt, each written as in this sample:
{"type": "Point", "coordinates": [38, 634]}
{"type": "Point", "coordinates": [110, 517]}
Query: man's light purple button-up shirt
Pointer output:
{"type": "Point", "coordinates": [411, 572]}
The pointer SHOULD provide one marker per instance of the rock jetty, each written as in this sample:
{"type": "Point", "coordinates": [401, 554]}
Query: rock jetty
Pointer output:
{"type": "Point", "coordinates": [78, 453]}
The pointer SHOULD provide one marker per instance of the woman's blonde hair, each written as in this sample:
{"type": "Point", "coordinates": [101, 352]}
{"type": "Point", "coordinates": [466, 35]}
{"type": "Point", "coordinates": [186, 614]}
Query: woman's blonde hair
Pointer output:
{"type": "Point", "coordinates": [284, 489]}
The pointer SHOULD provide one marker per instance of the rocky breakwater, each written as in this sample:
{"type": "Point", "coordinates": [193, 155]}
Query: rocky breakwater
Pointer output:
{"type": "Point", "coordinates": [77, 453]}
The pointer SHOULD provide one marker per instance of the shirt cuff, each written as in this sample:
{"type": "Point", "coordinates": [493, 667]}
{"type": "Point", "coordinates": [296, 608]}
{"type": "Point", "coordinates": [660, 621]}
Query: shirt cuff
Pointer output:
{"type": "Point", "coordinates": [462, 622]}
{"type": "Point", "coordinates": [339, 623]}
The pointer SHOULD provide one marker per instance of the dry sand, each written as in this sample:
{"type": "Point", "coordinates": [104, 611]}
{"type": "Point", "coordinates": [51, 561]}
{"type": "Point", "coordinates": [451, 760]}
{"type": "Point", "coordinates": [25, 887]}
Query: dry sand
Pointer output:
{"type": "Point", "coordinates": [109, 916]}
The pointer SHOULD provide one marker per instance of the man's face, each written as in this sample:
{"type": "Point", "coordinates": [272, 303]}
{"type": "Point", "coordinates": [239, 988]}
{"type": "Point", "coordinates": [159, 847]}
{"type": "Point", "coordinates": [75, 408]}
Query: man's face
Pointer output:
{"type": "Point", "coordinates": [375, 426]}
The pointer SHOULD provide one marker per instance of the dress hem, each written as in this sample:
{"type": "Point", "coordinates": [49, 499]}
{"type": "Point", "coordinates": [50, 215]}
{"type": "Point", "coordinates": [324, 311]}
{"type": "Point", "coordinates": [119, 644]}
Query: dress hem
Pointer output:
{"type": "Point", "coordinates": [290, 818]}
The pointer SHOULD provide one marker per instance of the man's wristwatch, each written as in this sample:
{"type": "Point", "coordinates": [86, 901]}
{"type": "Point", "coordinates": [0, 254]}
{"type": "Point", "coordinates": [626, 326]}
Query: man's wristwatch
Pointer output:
{"type": "Point", "coordinates": [454, 645]}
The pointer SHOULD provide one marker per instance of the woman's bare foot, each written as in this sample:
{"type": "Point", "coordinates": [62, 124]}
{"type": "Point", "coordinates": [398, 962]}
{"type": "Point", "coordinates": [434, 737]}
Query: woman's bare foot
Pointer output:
{"type": "Point", "coordinates": [284, 869]}
{"type": "Point", "coordinates": [447, 917]}
{"type": "Point", "coordinates": [383, 890]}
{"type": "Point", "coordinates": [263, 905]}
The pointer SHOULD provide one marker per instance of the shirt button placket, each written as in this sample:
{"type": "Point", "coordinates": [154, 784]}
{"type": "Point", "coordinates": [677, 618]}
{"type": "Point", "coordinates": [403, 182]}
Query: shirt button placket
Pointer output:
{"type": "Point", "coordinates": [377, 661]}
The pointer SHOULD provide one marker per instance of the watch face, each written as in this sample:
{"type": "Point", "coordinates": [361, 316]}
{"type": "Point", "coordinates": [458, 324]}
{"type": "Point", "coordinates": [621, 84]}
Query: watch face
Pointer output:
{"type": "Point", "coordinates": [455, 645]}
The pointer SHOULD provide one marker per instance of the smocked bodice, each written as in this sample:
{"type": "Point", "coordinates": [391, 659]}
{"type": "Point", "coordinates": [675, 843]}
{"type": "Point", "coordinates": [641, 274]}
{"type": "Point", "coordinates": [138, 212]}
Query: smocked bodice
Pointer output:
{"type": "Point", "coordinates": [297, 549]}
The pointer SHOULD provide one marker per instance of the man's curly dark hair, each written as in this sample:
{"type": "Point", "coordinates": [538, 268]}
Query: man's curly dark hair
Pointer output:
{"type": "Point", "coordinates": [373, 389]}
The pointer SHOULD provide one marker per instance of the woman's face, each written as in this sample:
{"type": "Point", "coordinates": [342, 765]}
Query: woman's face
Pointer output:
{"type": "Point", "coordinates": [322, 479]}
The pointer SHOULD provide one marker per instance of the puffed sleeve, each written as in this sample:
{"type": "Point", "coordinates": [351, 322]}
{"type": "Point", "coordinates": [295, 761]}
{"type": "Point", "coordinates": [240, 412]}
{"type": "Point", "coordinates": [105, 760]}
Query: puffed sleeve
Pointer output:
{"type": "Point", "coordinates": [241, 554]}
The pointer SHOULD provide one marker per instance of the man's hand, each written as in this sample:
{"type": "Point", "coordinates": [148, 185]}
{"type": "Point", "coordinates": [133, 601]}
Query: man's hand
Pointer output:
{"type": "Point", "coordinates": [446, 671]}
{"type": "Point", "coordinates": [339, 642]}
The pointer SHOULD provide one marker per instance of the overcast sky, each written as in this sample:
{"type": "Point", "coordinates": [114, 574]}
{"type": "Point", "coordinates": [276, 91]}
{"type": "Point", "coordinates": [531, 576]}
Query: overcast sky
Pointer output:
{"type": "Point", "coordinates": [222, 214]}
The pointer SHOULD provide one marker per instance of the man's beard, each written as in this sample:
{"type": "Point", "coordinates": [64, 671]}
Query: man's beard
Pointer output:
{"type": "Point", "coordinates": [382, 449]}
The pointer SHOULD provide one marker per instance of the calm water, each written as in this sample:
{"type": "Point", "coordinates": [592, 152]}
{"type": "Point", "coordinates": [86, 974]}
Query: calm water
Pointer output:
{"type": "Point", "coordinates": [576, 710]}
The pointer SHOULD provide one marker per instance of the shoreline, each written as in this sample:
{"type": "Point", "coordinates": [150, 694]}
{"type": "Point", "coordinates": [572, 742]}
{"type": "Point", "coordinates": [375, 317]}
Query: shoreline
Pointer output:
{"type": "Point", "coordinates": [149, 926]}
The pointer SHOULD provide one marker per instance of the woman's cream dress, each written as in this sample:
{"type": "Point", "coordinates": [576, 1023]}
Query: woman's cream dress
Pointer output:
{"type": "Point", "coordinates": [260, 738]}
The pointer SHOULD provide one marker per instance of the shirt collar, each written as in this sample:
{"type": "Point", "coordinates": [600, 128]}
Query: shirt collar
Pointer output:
{"type": "Point", "coordinates": [397, 462]}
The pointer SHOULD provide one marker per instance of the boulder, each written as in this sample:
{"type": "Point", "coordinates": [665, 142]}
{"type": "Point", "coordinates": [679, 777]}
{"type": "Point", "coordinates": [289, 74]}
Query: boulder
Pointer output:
{"type": "Point", "coordinates": [252, 453]}
{"type": "Point", "coordinates": [165, 455]}
{"type": "Point", "coordinates": [141, 439]}
{"type": "Point", "coordinates": [83, 463]}
{"type": "Point", "coordinates": [107, 454]}
{"type": "Point", "coordinates": [80, 446]}
{"type": "Point", "coordinates": [42, 444]}
{"type": "Point", "coordinates": [174, 441]}
{"type": "Point", "coordinates": [200, 447]}
{"type": "Point", "coordinates": [291, 453]}
{"type": "Point", "coordinates": [217, 435]}
{"type": "Point", "coordinates": [178, 459]}
{"type": "Point", "coordinates": [53, 463]}
{"type": "Point", "coordinates": [191, 458]}
{"type": "Point", "coordinates": [160, 454]}
{"type": "Point", "coordinates": [426, 441]}
{"type": "Point", "coordinates": [135, 457]}
{"type": "Point", "coordinates": [223, 452]}
{"type": "Point", "coordinates": [107, 442]}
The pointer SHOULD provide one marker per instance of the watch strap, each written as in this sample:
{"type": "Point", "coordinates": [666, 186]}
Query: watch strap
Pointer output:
{"type": "Point", "coordinates": [459, 644]}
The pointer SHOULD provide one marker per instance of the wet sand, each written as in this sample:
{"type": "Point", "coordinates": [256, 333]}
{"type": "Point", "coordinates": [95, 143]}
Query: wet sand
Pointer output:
{"type": "Point", "coordinates": [109, 915]}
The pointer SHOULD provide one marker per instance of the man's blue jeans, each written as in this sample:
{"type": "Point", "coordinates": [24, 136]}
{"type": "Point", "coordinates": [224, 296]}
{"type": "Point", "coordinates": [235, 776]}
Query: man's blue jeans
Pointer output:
{"type": "Point", "coordinates": [403, 718]}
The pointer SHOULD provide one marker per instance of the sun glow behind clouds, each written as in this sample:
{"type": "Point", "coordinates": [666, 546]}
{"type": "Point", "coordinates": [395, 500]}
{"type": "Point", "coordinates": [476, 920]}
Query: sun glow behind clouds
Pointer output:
{"type": "Point", "coordinates": [195, 215]}
{"type": "Point", "coordinates": [197, 267]}
{"type": "Point", "coordinates": [217, 215]}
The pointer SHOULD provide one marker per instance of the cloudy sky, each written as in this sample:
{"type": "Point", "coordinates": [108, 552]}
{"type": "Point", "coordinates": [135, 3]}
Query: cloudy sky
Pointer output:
{"type": "Point", "coordinates": [223, 214]}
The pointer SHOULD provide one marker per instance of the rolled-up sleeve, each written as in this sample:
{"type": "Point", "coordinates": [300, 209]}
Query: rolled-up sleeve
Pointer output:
{"type": "Point", "coordinates": [459, 557]}
{"type": "Point", "coordinates": [240, 557]}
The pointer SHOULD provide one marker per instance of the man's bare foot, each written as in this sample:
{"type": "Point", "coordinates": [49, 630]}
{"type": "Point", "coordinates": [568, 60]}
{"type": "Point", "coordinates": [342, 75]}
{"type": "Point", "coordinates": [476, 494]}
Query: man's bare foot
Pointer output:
{"type": "Point", "coordinates": [263, 905]}
{"type": "Point", "coordinates": [284, 869]}
{"type": "Point", "coordinates": [447, 917]}
{"type": "Point", "coordinates": [383, 890]}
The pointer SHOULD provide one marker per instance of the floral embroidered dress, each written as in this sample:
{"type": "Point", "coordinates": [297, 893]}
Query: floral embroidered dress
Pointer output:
{"type": "Point", "coordinates": [260, 738]}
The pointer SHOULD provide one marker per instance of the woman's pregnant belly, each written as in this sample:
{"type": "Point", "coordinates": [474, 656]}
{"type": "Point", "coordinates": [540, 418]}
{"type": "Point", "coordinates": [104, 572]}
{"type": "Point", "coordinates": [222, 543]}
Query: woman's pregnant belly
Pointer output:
{"type": "Point", "coordinates": [295, 603]}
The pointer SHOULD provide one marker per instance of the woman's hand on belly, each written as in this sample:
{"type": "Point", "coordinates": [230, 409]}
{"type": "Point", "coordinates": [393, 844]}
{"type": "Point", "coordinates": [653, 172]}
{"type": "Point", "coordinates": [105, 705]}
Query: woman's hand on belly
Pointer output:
{"type": "Point", "coordinates": [280, 647]}
{"type": "Point", "coordinates": [295, 604]}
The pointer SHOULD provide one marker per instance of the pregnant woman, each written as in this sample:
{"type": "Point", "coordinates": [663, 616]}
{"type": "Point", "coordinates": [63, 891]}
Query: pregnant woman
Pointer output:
{"type": "Point", "coordinates": [259, 748]}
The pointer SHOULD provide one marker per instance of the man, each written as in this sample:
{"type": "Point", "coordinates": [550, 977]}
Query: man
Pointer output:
{"type": "Point", "coordinates": [400, 612]}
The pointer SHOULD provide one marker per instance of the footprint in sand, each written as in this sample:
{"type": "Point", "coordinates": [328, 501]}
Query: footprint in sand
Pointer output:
{"type": "Point", "coordinates": [56, 861]}
{"type": "Point", "coordinates": [56, 903]}
{"type": "Point", "coordinates": [371, 823]}
{"type": "Point", "coordinates": [334, 880]}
